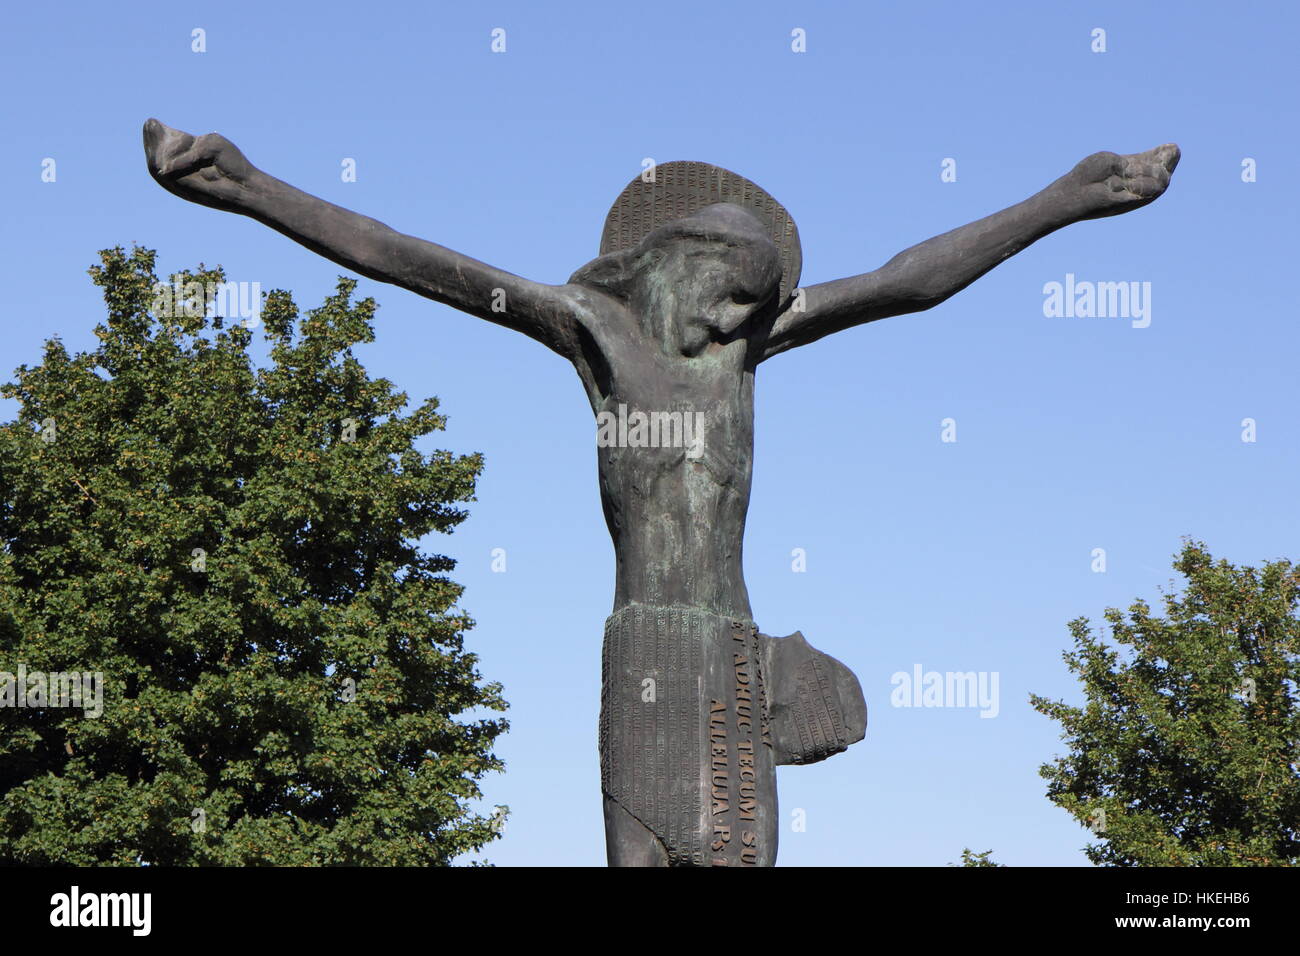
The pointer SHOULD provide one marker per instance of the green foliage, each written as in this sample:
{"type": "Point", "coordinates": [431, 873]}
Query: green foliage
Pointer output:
{"type": "Point", "coordinates": [1187, 751]}
{"type": "Point", "coordinates": [969, 858]}
{"type": "Point", "coordinates": [235, 550]}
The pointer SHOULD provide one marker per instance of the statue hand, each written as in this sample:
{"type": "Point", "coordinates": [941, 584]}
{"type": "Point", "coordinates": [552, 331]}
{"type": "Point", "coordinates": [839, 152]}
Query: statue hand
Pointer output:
{"type": "Point", "coordinates": [1107, 184]}
{"type": "Point", "coordinates": [207, 169]}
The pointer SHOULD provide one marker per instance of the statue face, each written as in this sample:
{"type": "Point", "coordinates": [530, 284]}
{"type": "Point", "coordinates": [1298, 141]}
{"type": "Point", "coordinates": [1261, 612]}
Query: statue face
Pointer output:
{"type": "Point", "coordinates": [699, 279]}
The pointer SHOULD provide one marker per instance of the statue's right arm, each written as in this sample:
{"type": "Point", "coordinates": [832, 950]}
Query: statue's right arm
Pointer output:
{"type": "Point", "coordinates": [211, 171]}
{"type": "Point", "coordinates": [930, 272]}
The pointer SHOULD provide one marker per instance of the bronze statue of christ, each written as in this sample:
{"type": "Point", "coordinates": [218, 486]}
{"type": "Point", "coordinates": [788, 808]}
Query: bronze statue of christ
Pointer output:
{"type": "Point", "coordinates": [696, 285]}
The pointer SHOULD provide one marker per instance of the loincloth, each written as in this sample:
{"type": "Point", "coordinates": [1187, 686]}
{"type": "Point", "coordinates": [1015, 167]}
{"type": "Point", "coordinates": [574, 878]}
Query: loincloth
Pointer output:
{"type": "Point", "coordinates": [697, 710]}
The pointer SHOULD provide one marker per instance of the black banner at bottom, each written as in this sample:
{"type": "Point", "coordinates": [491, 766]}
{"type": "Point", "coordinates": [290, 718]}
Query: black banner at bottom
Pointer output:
{"type": "Point", "coordinates": [469, 904]}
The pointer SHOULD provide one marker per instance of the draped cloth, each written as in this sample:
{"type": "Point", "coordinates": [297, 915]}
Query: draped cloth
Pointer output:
{"type": "Point", "coordinates": [697, 710]}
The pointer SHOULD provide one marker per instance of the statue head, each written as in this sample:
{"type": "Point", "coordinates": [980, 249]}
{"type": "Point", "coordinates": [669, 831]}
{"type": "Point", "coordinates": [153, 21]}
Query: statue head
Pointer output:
{"type": "Point", "coordinates": [696, 279]}
{"type": "Point", "coordinates": [695, 251]}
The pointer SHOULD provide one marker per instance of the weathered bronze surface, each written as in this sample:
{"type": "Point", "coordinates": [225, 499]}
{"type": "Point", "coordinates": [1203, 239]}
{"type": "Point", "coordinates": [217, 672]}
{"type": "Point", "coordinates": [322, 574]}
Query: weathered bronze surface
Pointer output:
{"type": "Point", "coordinates": [695, 286]}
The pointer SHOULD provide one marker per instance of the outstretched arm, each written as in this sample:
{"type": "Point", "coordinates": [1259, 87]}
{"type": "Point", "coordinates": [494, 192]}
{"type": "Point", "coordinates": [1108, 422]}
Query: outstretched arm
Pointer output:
{"type": "Point", "coordinates": [211, 171]}
{"type": "Point", "coordinates": [921, 277]}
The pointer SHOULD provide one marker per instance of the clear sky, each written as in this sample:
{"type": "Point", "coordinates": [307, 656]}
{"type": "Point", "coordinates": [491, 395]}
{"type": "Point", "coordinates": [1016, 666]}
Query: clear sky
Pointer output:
{"type": "Point", "coordinates": [1072, 433]}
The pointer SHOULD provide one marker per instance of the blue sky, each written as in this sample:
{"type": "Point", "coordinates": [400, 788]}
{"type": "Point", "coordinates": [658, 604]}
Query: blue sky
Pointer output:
{"type": "Point", "coordinates": [1072, 433]}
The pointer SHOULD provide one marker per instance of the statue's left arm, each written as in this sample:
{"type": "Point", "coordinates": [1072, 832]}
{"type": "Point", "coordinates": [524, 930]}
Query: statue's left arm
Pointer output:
{"type": "Point", "coordinates": [921, 277]}
{"type": "Point", "coordinates": [211, 171]}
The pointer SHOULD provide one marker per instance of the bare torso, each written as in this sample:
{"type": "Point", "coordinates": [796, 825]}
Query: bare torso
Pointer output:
{"type": "Point", "coordinates": [676, 514]}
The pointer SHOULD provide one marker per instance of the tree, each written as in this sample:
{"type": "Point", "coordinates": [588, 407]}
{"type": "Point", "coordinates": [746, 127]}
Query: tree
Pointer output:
{"type": "Point", "coordinates": [234, 551]}
{"type": "Point", "coordinates": [971, 858]}
{"type": "Point", "coordinates": [1187, 751]}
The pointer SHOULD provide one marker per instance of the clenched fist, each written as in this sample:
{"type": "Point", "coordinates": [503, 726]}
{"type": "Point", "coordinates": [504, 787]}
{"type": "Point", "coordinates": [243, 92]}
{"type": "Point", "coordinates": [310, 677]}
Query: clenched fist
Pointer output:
{"type": "Point", "coordinates": [1107, 184]}
{"type": "Point", "coordinates": [207, 169]}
